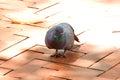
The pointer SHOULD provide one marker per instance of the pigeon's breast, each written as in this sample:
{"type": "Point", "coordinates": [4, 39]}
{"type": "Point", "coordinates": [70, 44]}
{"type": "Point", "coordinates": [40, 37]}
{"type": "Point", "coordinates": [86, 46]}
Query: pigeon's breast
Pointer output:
{"type": "Point", "coordinates": [55, 42]}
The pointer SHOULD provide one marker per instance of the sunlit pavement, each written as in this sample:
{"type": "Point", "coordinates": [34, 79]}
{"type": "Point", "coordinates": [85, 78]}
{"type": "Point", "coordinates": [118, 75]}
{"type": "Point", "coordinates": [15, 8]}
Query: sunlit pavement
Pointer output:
{"type": "Point", "coordinates": [24, 56]}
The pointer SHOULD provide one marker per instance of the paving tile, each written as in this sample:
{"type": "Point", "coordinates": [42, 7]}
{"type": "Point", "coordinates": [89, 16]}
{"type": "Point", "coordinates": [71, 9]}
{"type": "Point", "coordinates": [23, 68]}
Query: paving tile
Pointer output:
{"type": "Point", "coordinates": [37, 67]}
{"type": "Point", "coordinates": [72, 72]}
{"type": "Point", "coordinates": [12, 6]}
{"type": "Point", "coordinates": [41, 78]}
{"type": "Point", "coordinates": [93, 35]}
{"type": "Point", "coordinates": [94, 78]}
{"type": "Point", "coordinates": [42, 49]}
{"type": "Point", "coordinates": [10, 41]}
{"type": "Point", "coordinates": [4, 23]}
{"type": "Point", "coordinates": [1, 61]}
{"type": "Point", "coordinates": [28, 15]}
{"type": "Point", "coordinates": [29, 58]}
{"type": "Point", "coordinates": [32, 16]}
{"type": "Point", "coordinates": [113, 73]}
{"type": "Point", "coordinates": [55, 78]}
{"type": "Point", "coordinates": [34, 52]}
{"type": "Point", "coordinates": [95, 54]}
{"type": "Point", "coordinates": [8, 38]}
{"type": "Point", "coordinates": [7, 32]}
{"type": "Point", "coordinates": [34, 32]}
{"type": "Point", "coordinates": [44, 4]}
{"type": "Point", "coordinates": [108, 61]}
{"type": "Point", "coordinates": [26, 27]}
{"type": "Point", "coordinates": [7, 78]}
{"type": "Point", "coordinates": [87, 48]}
{"type": "Point", "coordinates": [30, 69]}
{"type": "Point", "coordinates": [118, 79]}
{"type": "Point", "coordinates": [30, 3]}
{"type": "Point", "coordinates": [76, 58]}
{"type": "Point", "coordinates": [21, 59]}
{"type": "Point", "coordinates": [99, 78]}
{"type": "Point", "coordinates": [50, 20]}
{"type": "Point", "coordinates": [61, 78]}
{"type": "Point", "coordinates": [50, 11]}
{"type": "Point", "coordinates": [71, 57]}
{"type": "Point", "coordinates": [57, 17]}
{"type": "Point", "coordinates": [3, 70]}
{"type": "Point", "coordinates": [37, 34]}
{"type": "Point", "coordinates": [17, 49]}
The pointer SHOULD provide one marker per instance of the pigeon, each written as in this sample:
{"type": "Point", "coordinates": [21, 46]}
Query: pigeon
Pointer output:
{"type": "Point", "coordinates": [60, 36]}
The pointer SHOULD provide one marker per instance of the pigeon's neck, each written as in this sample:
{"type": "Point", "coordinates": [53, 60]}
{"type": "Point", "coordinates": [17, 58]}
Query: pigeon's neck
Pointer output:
{"type": "Point", "coordinates": [57, 37]}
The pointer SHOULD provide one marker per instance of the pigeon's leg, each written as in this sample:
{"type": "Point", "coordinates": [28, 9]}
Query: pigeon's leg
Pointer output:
{"type": "Point", "coordinates": [64, 54]}
{"type": "Point", "coordinates": [59, 54]}
{"type": "Point", "coordinates": [56, 51]}
{"type": "Point", "coordinates": [55, 54]}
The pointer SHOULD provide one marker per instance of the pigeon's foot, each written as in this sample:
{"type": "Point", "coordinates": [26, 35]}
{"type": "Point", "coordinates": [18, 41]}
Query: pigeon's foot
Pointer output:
{"type": "Point", "coordinates": [58, 55]}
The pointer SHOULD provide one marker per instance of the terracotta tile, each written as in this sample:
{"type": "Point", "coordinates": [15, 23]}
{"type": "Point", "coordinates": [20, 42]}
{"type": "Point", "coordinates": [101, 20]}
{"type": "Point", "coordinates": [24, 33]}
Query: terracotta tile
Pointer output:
{"type": "Point", "coordinates": [50, 20]}
{"type": "Point", "coordinates": [72, 72]}
{"type": "Point", "coordinates": [17, 49]}
{"type": "Point", "coordinates": [41, 78]}
{"type": "Point", "coordinates": [3, 70]}
{"type": "Point", "coordinates": [7, 31]}
{"type": "Point", "coordinates": [108, 62]}
{"type": "Point", "coordinates": [34, 67]}
{"type": "Point", "coordinates": [43, 4]}
{"type": "Point", "coordinates": [42, 49]}
{"type": "Point", "coordinates": [10, 41]}
{"type": "Point", "coordinates": [7, 78]}
{"type": "Point", "coordinates": [31, 31]}
{"type": "Point", "coordinates": [14, 5]}
{"type": "Point", "coordinates": [50, 11]}
{"type": "Point", "coordinates": [29, 14]}
{"type": "Point", "coordinates": [20, 59]}
{"type": "Point", "coordinates": [71, 57]}
{"type": "Point", "coordinates": [45, 69]}
{"type": "Point", "coordinates": [1, 61]}
{"type": "Point", "coordinates": [94, 55]}
{"type": "Point", "coordinates": [28, 55]}
{"type": "Point", "coordinates": [113, 73]}
{"type": "Point", "coordinates": [118, 79]}
{"type": "Point", "coordinates": [3, 22]}
{"type": "Point", "coordinates": [36, 64]}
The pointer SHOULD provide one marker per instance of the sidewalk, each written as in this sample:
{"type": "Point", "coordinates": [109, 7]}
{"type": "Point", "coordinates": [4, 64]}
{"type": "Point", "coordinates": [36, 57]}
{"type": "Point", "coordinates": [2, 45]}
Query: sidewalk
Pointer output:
{"type": "Point", "coordinates": [24, 56]}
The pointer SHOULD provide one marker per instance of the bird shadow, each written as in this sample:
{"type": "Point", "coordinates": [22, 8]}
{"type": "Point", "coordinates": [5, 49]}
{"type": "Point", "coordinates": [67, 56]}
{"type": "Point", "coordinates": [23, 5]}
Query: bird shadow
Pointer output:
{"type": "Point", "coordinates": [70, 57]}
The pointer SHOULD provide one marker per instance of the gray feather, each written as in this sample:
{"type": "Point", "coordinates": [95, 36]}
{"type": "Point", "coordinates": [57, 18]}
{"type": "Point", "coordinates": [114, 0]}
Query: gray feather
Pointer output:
{"type": "Point", "coordinates": [60, 36]}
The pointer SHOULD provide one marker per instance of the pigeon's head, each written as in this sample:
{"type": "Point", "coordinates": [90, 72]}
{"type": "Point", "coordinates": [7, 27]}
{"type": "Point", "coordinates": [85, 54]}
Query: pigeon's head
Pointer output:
{"type": "Point", "coordinates": [58, 30]}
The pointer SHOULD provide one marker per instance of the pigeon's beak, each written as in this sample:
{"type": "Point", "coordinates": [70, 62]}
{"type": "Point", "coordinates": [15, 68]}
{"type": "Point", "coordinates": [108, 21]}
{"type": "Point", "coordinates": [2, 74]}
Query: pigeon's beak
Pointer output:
{"type": "Point", "coordinates": [59, 34]}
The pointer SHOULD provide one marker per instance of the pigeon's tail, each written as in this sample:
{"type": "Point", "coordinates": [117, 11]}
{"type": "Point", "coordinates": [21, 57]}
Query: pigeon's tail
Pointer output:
{"type": "Point", "coordinates": [76, 38]}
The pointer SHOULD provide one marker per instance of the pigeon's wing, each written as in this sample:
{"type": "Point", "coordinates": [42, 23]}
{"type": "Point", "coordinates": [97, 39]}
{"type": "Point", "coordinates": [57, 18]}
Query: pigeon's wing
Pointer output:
{"type": "Point", "coordinates": [69, 37]}
{"type": "Point", "coordinates": [75, 37]}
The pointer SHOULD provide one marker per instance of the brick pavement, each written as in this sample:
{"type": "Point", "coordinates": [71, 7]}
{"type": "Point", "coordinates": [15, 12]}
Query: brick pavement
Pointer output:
{"type": "Point", "coordinates": [24, 56]}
